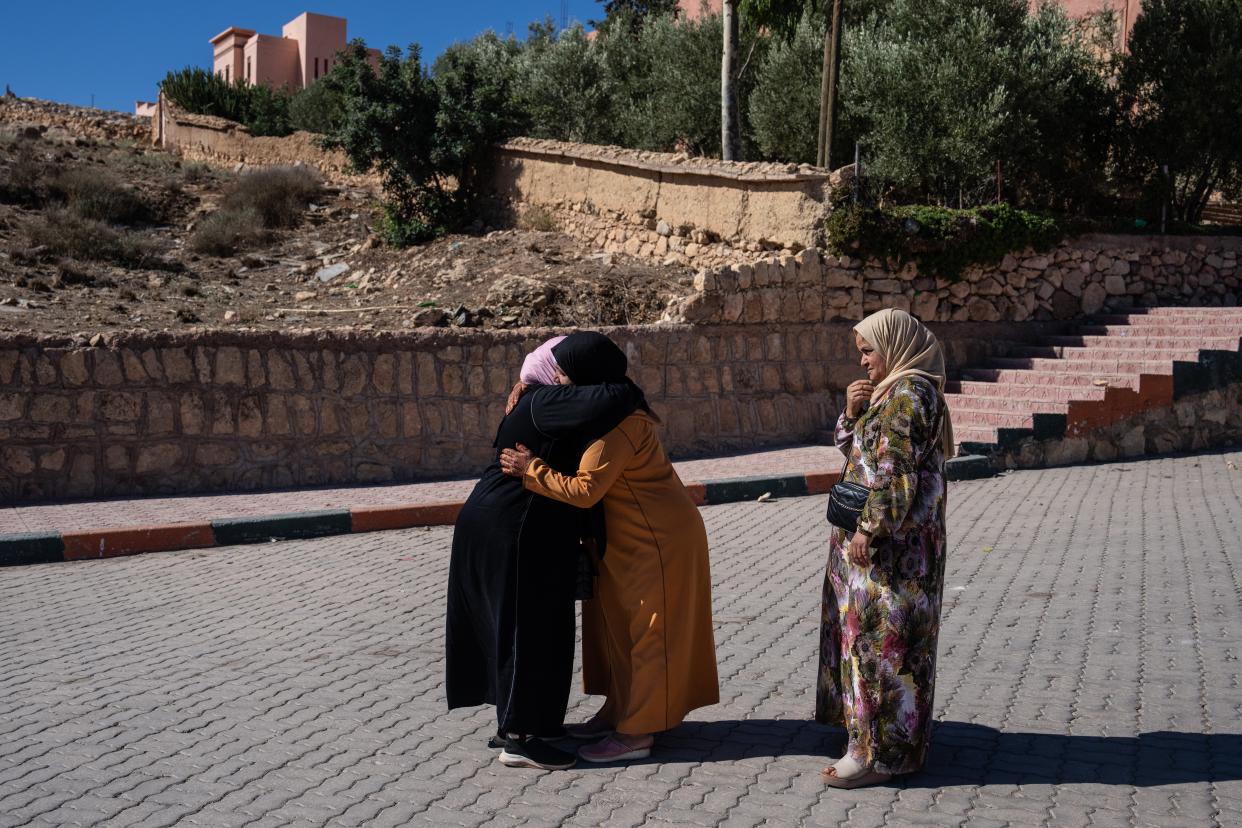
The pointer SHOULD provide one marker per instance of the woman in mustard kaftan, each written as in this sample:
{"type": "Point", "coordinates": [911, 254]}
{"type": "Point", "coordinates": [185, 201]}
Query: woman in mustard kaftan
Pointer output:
{"type": "Point", "coordinates": [647, 640]}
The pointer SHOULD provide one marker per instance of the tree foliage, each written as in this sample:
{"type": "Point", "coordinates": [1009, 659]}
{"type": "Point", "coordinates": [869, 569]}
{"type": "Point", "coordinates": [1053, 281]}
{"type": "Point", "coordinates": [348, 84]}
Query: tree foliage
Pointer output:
{"type": "Point", "coordinates": [1181, 90]}
{"type": "Point", "coordinates": [939, 93]}
{"type": "Point", "coordinates": [388, 125]}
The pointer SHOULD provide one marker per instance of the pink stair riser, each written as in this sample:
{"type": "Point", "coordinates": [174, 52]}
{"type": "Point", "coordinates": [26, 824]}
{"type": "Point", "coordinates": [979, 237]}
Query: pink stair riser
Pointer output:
{"type": "Point", "coordinates": [1031, 393]}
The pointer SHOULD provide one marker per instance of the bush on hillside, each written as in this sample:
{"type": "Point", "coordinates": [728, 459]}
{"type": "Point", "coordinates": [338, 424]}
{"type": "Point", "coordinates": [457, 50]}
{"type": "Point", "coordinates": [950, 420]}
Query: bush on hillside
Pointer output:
{"type": "Point", "coordinates": [228, 232]}
{"type": "Point", "coordinates": [21, 181]}
{"type": "Point", "coordinates": [63, 232]}
{"type": "Point", "coordinates": [97, 194]}
{"type": "Point", "coordinates": [278, 196]}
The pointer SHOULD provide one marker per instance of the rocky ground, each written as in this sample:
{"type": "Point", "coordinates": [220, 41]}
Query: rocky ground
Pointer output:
{"type": "Point", "coordinates": [60, 274]}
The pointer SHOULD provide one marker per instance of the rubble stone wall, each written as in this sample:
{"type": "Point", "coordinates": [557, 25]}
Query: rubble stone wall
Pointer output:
{"type": "Point", "coordinates": [236, 410]}
{"type": "Point", "coordinates": [1079, 277]}
{"type": "Point", "coordinates": [79, 121]}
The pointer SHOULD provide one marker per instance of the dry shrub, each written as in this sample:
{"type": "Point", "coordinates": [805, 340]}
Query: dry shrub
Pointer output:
{"type": "Point", "coordinates": [279, 196]}
{"type": "Point", "coordinates": [226, 232]}
{"type": "Point", "coordinates": [62, 232]}
{"type": "Point", "coordinates": [537, 218]}
{"type": "Point", "coordinates": [196, 172]}
{"type": "Point", "coordinates": [96, 194]}
{"type": "Point", "coordinates": [20, 183]}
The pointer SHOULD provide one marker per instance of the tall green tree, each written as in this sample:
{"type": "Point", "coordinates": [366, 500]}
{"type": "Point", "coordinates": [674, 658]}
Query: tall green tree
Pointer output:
{"type": "Point", "coordinates": [941, 93]}
{"type": "Point", "coordinates": [1181, 86]}
{"type": "Point", "coordinates": [388, 124]}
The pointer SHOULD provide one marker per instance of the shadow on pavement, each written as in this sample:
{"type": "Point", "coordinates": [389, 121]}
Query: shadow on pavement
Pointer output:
{"type": "Point", "coordinates": [971, 754]}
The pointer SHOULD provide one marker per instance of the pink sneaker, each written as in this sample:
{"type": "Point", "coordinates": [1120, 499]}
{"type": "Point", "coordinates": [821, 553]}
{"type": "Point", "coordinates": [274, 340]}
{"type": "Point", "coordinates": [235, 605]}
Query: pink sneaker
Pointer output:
{"type": "Point", "coordinates": [612, 749]}
{"type": "Point", "coordinates": [590, 729]}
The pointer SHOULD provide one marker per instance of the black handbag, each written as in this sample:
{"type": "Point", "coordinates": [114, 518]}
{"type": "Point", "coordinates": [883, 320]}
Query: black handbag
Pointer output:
{"type": "Point", "coordinates": [847, 500]}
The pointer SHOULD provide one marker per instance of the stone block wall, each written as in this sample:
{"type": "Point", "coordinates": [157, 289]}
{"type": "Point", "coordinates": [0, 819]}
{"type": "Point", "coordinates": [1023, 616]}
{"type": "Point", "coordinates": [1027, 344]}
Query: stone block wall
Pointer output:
{"type": "Point", "coordinates": [1079, 277]}
{"type": "Point", "coordinates": [234, 411]}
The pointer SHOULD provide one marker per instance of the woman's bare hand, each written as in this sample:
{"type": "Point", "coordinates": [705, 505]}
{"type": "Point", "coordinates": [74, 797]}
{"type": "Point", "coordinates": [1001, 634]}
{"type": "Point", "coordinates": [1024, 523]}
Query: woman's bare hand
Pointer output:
{"type": "Point", "coordinates": [860, 549]}
{"type": "Point", "coordinates": [519, 389]}
{"type": "Point", "coordinates": [857, 395]}
{"type": "Point", "coordinates": [514, 461]}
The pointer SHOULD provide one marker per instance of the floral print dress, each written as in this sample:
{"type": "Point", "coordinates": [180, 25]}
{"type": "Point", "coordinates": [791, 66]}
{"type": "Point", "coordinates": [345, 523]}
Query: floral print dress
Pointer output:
{"type": "Point", "coordinates": [879, 624]}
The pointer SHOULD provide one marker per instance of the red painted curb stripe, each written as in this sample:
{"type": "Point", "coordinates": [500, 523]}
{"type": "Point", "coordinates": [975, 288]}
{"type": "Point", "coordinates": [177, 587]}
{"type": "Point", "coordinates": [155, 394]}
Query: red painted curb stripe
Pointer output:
{"type": "Point", "coordinates": [820, 482]}
{"type": "Point", "coordinates": [377, 518]}
{"type": "Point", "coordinates": [110, 543]}
{"type": "Point", "coordinates": [698, 493]}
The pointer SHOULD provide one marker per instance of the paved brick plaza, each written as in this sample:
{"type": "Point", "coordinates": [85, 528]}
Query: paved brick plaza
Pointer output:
{"type": "Point", "coordinates": [1089, 674]}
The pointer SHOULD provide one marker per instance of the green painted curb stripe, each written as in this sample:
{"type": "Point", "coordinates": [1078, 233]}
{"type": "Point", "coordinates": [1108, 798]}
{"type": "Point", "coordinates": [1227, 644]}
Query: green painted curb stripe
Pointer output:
{"type": "Point", "coordinates": [749, 488]}
{"type": "Point", "coordinates": [263, 528]}
{"type": "Point", "coordinates": [31, 548]}
{"type": "Point", "coordinates": [968, 467]}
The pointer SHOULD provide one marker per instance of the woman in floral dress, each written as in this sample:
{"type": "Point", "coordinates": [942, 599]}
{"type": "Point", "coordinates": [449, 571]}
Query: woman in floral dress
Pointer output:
{"type": "Point", "coordinates": [882, 592]}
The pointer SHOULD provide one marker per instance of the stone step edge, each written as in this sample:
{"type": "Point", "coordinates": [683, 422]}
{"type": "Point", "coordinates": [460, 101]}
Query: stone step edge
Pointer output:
{"type": "Point", "coordinates": [25, 548]}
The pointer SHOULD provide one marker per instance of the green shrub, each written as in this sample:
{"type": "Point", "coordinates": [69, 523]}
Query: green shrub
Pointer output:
{"type": "Point", "coordinates": [267, 111]}
{"type": "Point", "coordinates": [317, 108]}
{"type": "Point", "coordinates": [278, 196]}
{"type": "Point", "coordinates": [97, 194]}
{"type": "Point", "coordinates": [226, 232]}
{"type": "Point", "coordinates": [65, 233]}
{"type": "Point", "coordinates": [263, 110]}
{"type": "Point", "coordinates": [943, 241]}
{"type": "Point", "coordinates": [205, 93]}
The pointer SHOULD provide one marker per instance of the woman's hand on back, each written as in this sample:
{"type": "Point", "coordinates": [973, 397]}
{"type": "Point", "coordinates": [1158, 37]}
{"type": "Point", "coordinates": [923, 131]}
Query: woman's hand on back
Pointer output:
{"type": "Point", "coordinates": [857, 395]}
{"type": "Point", "coordinates": [514, 461]}
{"type": "Point", "coordinates": [519, 389]}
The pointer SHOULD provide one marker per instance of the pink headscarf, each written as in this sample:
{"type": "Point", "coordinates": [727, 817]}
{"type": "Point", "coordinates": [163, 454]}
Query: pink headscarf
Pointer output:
{"type": "Point", "coordinates": [539, 367]}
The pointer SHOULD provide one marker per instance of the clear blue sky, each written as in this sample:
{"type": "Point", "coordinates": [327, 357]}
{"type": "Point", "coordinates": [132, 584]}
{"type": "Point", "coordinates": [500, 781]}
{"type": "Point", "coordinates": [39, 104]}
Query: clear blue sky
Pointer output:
{"type": "Point", "coordinates": [67, 50]}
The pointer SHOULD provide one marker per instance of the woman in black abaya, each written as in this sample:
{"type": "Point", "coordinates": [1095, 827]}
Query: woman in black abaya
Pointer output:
{"type": "Point", "coordinates": [510, 621]}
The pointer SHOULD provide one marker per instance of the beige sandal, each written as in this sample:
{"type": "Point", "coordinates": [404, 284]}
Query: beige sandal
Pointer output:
{"type": "Point", "coordinates": [862, 780]}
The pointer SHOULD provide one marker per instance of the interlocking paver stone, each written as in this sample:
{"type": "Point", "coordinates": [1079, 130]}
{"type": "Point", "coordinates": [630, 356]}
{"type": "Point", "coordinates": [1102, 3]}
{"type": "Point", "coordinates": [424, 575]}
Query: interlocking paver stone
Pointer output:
{"type": "Point", "coordinates": [1089, 675]}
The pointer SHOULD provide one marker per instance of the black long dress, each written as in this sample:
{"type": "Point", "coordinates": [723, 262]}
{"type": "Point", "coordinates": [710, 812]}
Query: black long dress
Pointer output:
{"type": "Point", "coordinates": [510, 620]}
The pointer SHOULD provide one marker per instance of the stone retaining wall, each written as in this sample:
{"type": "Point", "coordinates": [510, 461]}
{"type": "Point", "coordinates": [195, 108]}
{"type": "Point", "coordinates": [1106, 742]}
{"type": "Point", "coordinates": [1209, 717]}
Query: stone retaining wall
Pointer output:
{"type": "Point", "coordinates": [230, 411]}
{"type": "Point", "coordinates": [1080, 276]}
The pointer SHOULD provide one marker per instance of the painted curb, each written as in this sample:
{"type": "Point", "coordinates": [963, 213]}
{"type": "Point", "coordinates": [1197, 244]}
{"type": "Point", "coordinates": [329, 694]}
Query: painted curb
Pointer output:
{"type": "Point", "coordinates": [31, 548]}
{"type": "Point", "coordinates": [94, 544]}
{"type": "Point", "coordinates": [264, 528]}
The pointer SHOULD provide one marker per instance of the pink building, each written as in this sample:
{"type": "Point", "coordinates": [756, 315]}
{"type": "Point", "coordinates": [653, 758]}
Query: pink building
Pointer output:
{"type": "Point", "coordinates": [302, 54]}
{"type": "Point", "coordinates": [1126, 11]}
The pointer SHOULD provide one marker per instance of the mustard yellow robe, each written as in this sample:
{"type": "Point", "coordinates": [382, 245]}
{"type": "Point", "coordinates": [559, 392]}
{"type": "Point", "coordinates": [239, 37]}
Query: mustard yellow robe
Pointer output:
{"type": "Point", "coordinates": [647, 635]}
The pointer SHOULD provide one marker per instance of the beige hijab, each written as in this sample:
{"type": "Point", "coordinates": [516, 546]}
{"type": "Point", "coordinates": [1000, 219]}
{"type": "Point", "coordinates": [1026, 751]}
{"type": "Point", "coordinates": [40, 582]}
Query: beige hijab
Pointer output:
{"type": "Point", "coordinates": [910, 350]}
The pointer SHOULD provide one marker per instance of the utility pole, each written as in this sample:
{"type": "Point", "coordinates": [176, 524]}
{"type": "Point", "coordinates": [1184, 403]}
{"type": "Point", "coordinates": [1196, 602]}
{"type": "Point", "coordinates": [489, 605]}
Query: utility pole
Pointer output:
{"type": "Point", "coordinates": [828, 87]}
{"type": "Point", "coordinates": [729, 137]}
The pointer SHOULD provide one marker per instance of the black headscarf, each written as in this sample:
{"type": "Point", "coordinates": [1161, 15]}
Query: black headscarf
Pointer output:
{"type": "Point", "coordinates": [590, 358]}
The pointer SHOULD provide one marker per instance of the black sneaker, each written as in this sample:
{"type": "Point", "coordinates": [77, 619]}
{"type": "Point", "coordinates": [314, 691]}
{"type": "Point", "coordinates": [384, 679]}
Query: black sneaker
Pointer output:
{"type": "Point", "coordinates": [497, 741]}
{"type": "Point", "coordinates": [535, 753]}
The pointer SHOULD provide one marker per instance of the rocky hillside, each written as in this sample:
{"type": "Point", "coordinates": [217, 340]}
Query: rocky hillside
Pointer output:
{"type": "Point", "coordinates": [101, 231]}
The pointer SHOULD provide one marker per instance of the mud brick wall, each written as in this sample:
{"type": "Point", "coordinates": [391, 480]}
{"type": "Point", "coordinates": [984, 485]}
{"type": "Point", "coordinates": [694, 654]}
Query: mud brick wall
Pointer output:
{"type": "Point", "coordinates": [236, 410]}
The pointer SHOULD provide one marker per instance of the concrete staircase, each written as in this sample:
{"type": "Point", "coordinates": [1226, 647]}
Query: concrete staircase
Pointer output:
{"type": "Point", "coordinates": [1110, 368]}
